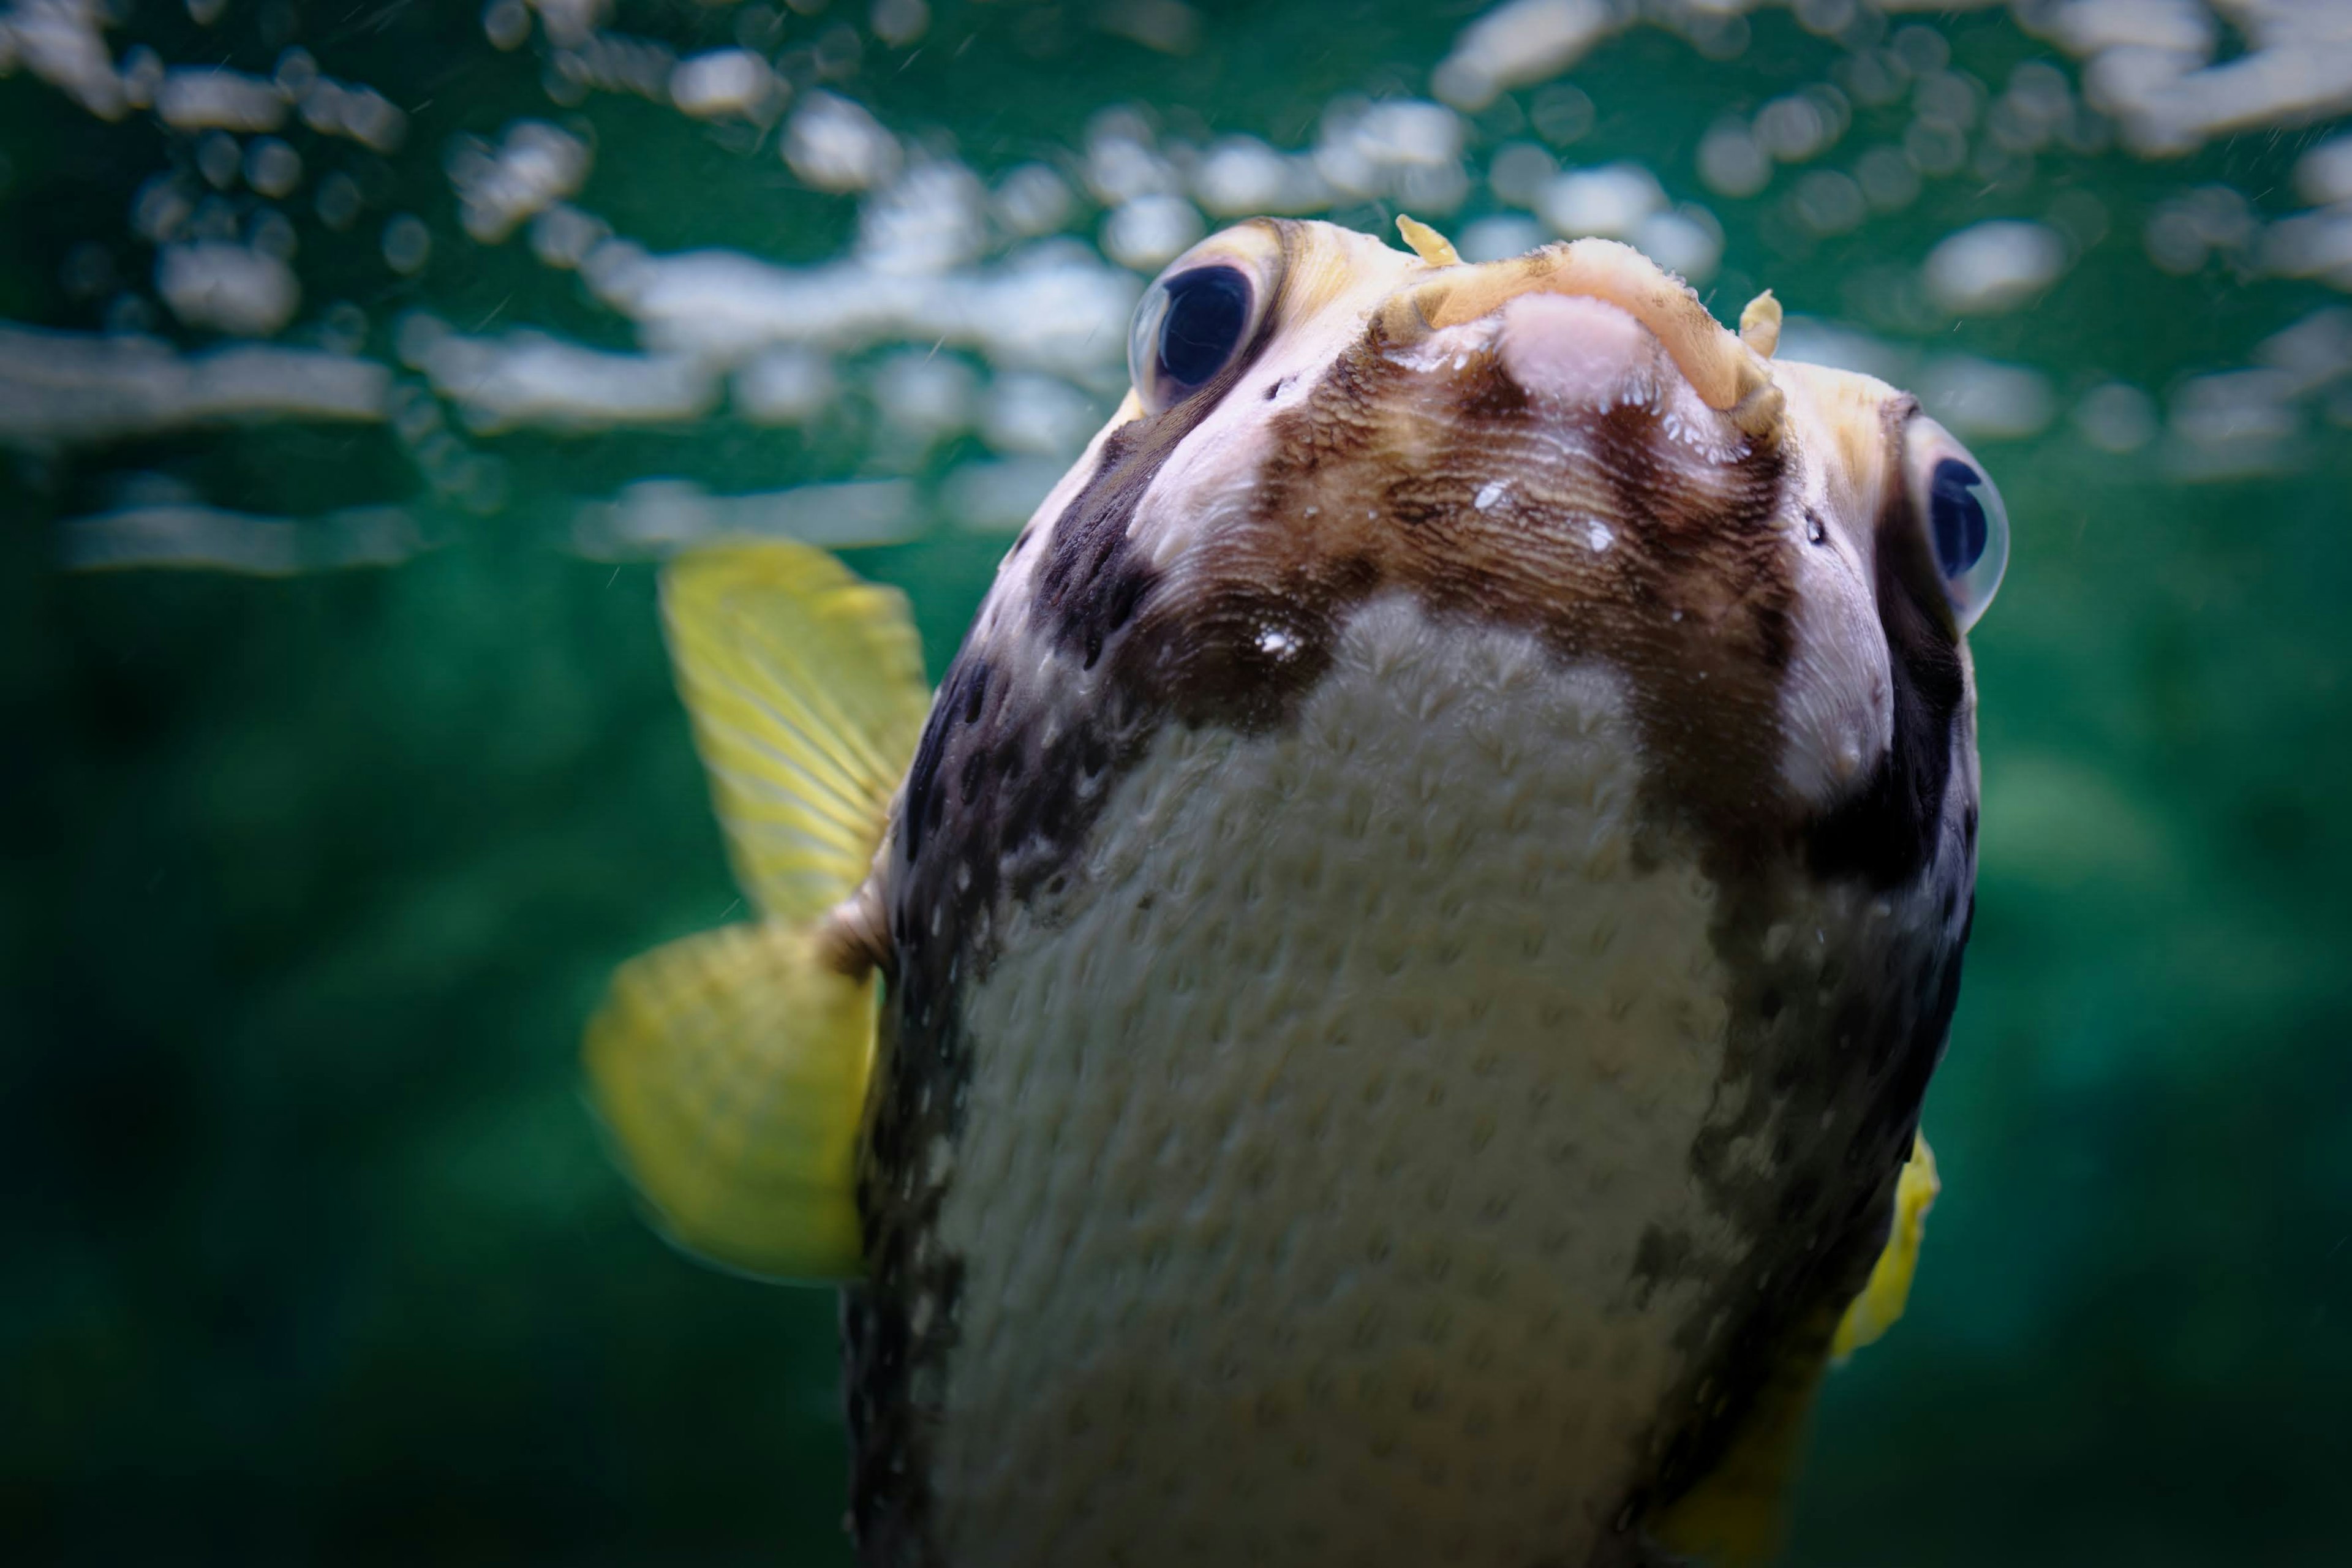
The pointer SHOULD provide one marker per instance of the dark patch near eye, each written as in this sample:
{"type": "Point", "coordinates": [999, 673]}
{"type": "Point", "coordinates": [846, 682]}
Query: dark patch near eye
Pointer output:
{"type": "Point", "coordinates": [1092, 582]}
{"type": "Point", "coordinates": [1887, 832]}
{"type": "Point", "coordinates": [1814, 533]}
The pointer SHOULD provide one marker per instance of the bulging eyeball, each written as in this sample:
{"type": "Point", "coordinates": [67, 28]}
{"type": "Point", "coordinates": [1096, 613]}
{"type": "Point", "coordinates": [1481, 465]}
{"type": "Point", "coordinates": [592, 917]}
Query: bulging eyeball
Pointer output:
{"type": "Point", "coordinates": [1200, 317]}
{"type": "Point", "coordinates": [1966, 525]}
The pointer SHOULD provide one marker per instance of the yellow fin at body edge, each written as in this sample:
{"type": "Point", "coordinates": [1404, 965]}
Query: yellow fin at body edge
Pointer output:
{"type": "Point", "coordinates": [1882, 1300]}
{"type": "Point", "coordinates": [806, 687]}
{"type": "Point", "coordinates": [731, 1067]}
{"type": "Point", "coordinates": [1736, 1516]}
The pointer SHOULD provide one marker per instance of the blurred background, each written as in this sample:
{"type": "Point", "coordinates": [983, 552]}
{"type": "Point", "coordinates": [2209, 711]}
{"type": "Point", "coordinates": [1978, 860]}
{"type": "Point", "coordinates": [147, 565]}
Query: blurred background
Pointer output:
{"type": "Point", "coordinates": [358, 361]}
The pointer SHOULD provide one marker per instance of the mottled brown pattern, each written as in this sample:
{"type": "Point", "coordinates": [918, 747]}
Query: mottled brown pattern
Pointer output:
{"type": "Point", "coordinates": [1372, 485]}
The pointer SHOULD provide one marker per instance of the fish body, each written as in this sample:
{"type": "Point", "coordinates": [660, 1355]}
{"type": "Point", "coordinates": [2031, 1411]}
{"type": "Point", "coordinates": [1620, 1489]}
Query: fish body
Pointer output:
{"type": "Point", "coordinates": [1409, 945]}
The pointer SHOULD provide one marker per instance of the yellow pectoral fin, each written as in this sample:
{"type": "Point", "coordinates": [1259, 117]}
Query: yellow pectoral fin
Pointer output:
{"type": "Point", "coordinates": [1882, 1300]}
{"type": "Point", "coordinates": [806, 687]}
{"type": "Point", "coordinates": [731, 1068]}
{"type": "Point", "coordinates": [1736, 1515]}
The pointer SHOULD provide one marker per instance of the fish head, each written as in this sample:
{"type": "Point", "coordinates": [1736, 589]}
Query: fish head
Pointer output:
{"type": "Point", "coordinates": [1780, 559]}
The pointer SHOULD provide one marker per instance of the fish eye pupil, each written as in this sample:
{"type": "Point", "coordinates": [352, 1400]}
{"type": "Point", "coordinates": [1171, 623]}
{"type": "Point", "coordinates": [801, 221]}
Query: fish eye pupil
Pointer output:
{"type": "Point", "coordinates": [1957, 517]}
{"type": "Point", "coordinates": [1207, 310]}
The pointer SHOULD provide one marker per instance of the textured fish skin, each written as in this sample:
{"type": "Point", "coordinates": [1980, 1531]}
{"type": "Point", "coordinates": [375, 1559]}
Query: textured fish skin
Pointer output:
{"type": "Point", "coordinates": [1420, 924]}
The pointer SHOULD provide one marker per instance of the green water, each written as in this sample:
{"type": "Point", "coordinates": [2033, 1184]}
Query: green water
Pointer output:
{"type": "Point", "coordinates": [310, 881]}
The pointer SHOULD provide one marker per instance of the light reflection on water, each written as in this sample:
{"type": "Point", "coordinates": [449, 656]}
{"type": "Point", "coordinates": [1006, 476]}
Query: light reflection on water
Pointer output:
{"type": "Point", "coordinates": [285, 201]}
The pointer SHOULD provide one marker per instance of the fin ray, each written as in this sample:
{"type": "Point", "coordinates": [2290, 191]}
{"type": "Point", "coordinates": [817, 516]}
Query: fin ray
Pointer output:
{"type": "Point", "coordinates": [731, 1069]}
{"type": "Point", "coordinates": [807, 692]}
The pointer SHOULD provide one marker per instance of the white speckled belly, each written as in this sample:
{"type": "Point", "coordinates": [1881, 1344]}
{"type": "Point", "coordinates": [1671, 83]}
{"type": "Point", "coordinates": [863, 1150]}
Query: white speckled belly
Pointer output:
{"type": "Point", "coordinates": [1313, 1133]}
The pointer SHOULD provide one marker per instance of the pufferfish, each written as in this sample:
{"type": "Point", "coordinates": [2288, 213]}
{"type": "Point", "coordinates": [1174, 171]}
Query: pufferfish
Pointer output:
{"type": "Point", "coordinates": [1380, 1014]}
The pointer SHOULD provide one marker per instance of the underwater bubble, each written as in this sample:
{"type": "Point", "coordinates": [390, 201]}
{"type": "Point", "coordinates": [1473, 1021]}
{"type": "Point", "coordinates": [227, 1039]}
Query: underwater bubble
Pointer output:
{"type": "Point", "coordinates": [1874, 78]}
{"type": "Point", "coordinates": [1612, 201]}
{"type": "Point", "coordinates": [926, 394]}
{"type": "Point", "coordinates": [1407, 150]}
{"type": "Point", "coordinates": [1030, 200]}
{"type": "Point", "coordinates": [1920, 47]}
{"type": "Point", "coordinates": [1687, 240]}
{"type": "Point", "coordinates": [1149, 232]}
{"type": "Point", "coordinates": [1520, 170]}
{"type": "Point", "coordinates": [296, 73]}
{"type": "Point", "coordinates": [2079, 215]}
{"type": "Point", "coordinates": [1241, 176]}
{"type": "Point", "coordinates": [215, 98]}
{"type": "Point", "coordinates": [1731, 161]}
{"type": "Point", "coordinates": [571, 23]}
{"type": "Point", "coordinates": [1946, 97]}
{"type": "Point", "coordinates": [2115, 418]}
{"type": "Point", "coordinates": [1935, 148]}
{"type": "Point", "coordinates": [339, 202]}
{"type": "Point", "coordinates": [226, 288]}
{"type": "Point", "coordinates": [1123, 160]}
{"type": "Point", "coordinates": [932, 217]}
{"type": "Point", "coordinates": [1516, 43]}
{"type": "Point", "coordinates": [900, 23]}
{"type": "Point", "coordinates": [344, 328]}
{"type": "Point", "coordinates": [219, 159]}
{"type": "Point", "coordinates": [534, 166]}
{"type": "Point", "coordinates": [507, 24]}
{"type": "Point", "coordinates": [2313, 352]}
{"type": "Point", "coordinates": [2233, 425]}
{"type": "Point", "coordinates": [1983, 399]}
{"type": "Point", "coordinates": [784, 386]}
{"type": "Point", "coordinates": [528, 379]}
{"type": "Point", "coordinates": [1040, 416]}
{"type": "Point", "coordinates": [1168, 25]}
{"type": "Point", "coordinates": [161, 210]}
{"type": "Point", "coordinates": [215, 218]}
{"type": "Point", "coordinates": [564, 235]}
{"type": "Point", "coordinates": [2324, 174]}
{"type": "Point", "coordinates": [407, 243]}
{"type": "Point", "coordinates": [836, 145]}
{"type": "Point", "coordinates": [1561, 113]}
{"type": "Point", "coordinates": [272, 233]}
{"type": "Point", "coordinates": [727, 82]}
{"type": "Point", "coordinates": [1828, 202]}
{"type": "Point", "coordinates": [1500, 237]}
{"type": "Point", "coordinates": [271, 167]}
{"type": "Point", "coordinates": [1795, 128]}
{"type": "Point", "coordinates": [1994, 265]}
{"type": "Point", "coordinates": [1887, 180]}
{"type": "Point", "coordinates": [1827, 18]}
{"type": "Point", "coordinates": [2186, 231]}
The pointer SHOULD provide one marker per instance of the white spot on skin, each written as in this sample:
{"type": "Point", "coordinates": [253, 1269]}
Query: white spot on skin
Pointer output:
{"type": "Point", "coordinates": [1489, 493]}
{"type": "Point", "coordinates": [1276, 643]}
{"type": "Point", "coordinates": [1597, 534]}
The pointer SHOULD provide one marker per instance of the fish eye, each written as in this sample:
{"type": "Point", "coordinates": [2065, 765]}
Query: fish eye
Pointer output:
{"type": "Point", "coordinates": [1188, 328]}
{"type": "Point", "coordinates": [1966, 525]}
